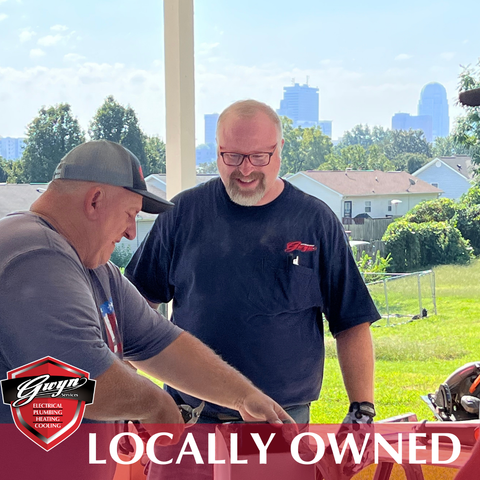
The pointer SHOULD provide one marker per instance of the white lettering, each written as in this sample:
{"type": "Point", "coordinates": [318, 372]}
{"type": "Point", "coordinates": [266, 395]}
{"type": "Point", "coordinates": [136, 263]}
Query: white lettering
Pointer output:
{"type": "Point", "coordinates": [456, 448]}
{"type": "Point", "coordinates": [138, 448]}
{"type": "Point", "coordinates": [350, 441]}
{"type": "Point", "coordinates": [261, 447]}
{"type": "Point", "coordinates": [294, 448]}
{"type": "Point", "coordinates": [397, 456]}
{"type": "Point", "coordinates": [190, 442]}
{"type": "Point", "coordinates": [92, 450]}
{"type": "Point", "coordinates": [151, 448]}
{"type": "Point", "coordinates": [212, 450]}
{"type": "Point", "coordinates": [234, 451]}
{"type": "Point", "coordinates": [413, 447]}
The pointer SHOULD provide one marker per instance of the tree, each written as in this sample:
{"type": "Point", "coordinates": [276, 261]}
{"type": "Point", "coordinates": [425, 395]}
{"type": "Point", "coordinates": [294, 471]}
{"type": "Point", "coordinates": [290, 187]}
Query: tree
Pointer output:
{"type": "Point", "coordinates": [3, 172]}
{"type": "Point", "coordinates": [467, 129]}
{"type": "Point", "coordinates": [155, 152]}
{"type": "Point", "coordinates": [448, 147]}
{"type": "Point", "coordinates": [397, 142]}
{"type": "Point", "coordinates": [119, 124]}
{"type": "Point", "coordinates": [208, 167]}
{"type": "Point", "coordinates": [409, 162]}
{"type": "Point", "coordinates": [377, 160]}
{"type": "Point", "coordinates": [304, 148]}
{"type": "Point", "coordinates": [50, 135]}
{"type": "Point", "coordinates": [12, 171]}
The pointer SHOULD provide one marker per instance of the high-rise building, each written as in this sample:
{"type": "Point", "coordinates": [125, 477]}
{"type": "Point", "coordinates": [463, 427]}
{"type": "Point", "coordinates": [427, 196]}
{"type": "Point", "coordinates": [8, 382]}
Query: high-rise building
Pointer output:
{"type": "Point", "coordinates": [211, 120]}
{"type": "Point", "coordinates": [326, 126]}
{"type": "Point", "coordinates": [11, 148]}
{"type": "Point", "coordinates": [405, 121]}
{"type": "Point", "coordinates": [433, 102]}
{"type": "Point", "coordinates": [300, 103]}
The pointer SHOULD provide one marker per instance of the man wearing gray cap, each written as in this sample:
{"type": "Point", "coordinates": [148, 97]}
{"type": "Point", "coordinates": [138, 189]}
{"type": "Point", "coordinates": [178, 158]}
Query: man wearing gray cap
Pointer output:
{"type": "Point", "coordinates": [61, 298]}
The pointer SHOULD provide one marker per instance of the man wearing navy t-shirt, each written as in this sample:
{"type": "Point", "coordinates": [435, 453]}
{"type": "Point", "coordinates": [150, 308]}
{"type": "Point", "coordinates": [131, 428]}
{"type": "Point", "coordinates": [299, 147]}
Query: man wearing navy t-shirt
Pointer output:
{"type": "Point", "coordinates": [251, 263]}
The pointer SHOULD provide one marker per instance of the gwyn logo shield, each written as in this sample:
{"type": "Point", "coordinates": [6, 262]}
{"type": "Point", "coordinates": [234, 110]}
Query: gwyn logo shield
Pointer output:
{"type": "Point", "coordinates": [47, 398]}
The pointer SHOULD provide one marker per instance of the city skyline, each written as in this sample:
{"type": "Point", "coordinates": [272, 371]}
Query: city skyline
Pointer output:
{"type": "Point", "coordinates": [363, 58]}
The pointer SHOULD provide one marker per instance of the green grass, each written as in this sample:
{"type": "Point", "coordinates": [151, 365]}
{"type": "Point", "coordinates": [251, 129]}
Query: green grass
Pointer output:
{"type": "Point", "coordinates": [414, 358]}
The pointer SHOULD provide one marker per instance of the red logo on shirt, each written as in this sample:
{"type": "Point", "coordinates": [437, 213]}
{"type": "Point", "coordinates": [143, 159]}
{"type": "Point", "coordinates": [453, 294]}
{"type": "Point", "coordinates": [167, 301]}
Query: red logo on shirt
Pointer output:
{"type": "Point", "coordinates": [302, 247]}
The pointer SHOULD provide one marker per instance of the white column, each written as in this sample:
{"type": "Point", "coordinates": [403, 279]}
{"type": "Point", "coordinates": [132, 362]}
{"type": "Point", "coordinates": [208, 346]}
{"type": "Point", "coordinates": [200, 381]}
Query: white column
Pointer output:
{"type": "Point", "coordinates": [179, 95]}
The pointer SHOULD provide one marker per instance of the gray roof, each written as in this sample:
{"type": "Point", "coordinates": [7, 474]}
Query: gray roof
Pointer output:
{"type": "Point", "coordinates": [17, 197]}
{"type": "Point", "coordinates": [460, 163]}
{"type": "Point", "coordinates": [368, 182]}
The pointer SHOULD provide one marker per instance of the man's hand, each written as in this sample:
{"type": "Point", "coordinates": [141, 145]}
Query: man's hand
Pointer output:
{"type": "Point", "coordinates": [257, 407]}
{"type": "Point", "coordinates": [357, 424]}
{"type": "Point", "coordinates": [122, 394]}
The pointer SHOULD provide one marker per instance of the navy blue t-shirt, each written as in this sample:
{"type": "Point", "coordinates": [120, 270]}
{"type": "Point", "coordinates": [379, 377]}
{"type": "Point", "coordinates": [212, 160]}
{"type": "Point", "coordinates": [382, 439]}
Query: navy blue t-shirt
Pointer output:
{"type": "Point", "coordinates": [252, 283]}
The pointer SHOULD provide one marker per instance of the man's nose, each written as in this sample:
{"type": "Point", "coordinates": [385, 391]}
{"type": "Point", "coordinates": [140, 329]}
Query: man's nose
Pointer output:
{"type": "Point", "coordinates": [131, 230]}
{"type": "Point", "coordinates": [246, 168]}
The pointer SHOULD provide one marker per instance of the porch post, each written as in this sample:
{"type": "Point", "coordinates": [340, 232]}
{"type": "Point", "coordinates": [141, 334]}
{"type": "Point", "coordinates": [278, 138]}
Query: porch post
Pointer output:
{"type": "Point", "coordinates": [179, 95]}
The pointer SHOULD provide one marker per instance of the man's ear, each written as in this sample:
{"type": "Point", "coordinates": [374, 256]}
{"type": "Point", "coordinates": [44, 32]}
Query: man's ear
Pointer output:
{"type": "Point", "coordinates": [93, 202]}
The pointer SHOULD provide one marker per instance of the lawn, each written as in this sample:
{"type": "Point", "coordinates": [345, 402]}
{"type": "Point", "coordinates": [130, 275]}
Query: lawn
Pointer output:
{"type": "Point", "coordinates": [414, 358]}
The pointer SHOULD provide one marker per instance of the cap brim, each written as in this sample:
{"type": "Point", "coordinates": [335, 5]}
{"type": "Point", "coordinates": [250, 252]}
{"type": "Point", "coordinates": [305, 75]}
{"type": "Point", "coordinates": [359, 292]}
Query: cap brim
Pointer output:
{"type": "Point", "coordinates": [471, 98]}
{"type": "Point", "coordinates": [152, 203]}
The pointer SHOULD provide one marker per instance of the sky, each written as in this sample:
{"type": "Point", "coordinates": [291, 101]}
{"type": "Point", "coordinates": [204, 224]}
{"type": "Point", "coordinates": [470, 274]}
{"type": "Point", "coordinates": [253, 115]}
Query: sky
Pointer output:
{"type": "Point", "coordinates": [369, 59]}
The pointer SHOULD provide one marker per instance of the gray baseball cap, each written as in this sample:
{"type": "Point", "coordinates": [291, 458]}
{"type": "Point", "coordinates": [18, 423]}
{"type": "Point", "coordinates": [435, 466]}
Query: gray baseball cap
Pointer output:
{"type": "Point", "coordinates": [108, 162]}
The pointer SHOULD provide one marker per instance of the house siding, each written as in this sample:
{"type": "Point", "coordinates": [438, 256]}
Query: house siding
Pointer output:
{"type": "Point", "coordinates": [453, 184]}
{"type": "Point", "coordinates": [310, 186]}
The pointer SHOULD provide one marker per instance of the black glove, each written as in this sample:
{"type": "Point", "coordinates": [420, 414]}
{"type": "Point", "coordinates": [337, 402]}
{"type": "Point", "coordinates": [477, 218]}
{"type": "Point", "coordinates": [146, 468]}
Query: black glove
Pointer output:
{"type": "Point", "coordinates": [358, 422]}
{"type": "Point", "coordinates": [360, 413]}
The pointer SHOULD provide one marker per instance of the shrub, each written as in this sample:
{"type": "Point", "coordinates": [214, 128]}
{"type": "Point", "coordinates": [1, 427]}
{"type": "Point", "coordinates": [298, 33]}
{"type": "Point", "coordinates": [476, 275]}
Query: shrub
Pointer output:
{"type": "Point", "coordinates": [372, 265]}
{"type": "Point", "coordinates": [439, 210]}
{"type": "Point", "coordinates": [121, 255]}
{"type": "Point", "coordinates": [472, 197]}
{"type": "Point", "coordinates": [467, 220]}
{"type": "Point", "coordinates": [416, 246]}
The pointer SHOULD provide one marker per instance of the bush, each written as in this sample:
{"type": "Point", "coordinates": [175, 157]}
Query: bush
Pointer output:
{"type": "Point", "coordinates": [467, 220]}
{"type": "Point", "coordinates": [416, 246]}
{"type": "Point", "coordinates": [472, 197]}
{"type": "Point", "coordinates": [371, 265]}
{"type": "Point", "coordinates": [440, 210]}
{"type": "Point", "coordinates": [121, 255]}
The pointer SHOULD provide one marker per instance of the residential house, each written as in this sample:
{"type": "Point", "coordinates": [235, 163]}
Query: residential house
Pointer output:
{"type": "Point", "coordinates": [453, 175]}
{"type": "Point", "coordinates": [365, 194]}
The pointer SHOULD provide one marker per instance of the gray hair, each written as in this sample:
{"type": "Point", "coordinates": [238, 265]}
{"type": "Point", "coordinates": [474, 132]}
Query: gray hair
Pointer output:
{"type": "Point", "coordinates": [248, 109]}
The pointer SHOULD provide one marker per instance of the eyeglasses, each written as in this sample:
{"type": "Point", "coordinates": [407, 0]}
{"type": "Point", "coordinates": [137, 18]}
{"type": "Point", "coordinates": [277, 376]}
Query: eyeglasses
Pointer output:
{"type": "Point", "coordinates": [260, 159]}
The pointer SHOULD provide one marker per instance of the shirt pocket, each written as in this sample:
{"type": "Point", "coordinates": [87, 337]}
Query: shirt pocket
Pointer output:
{"type": "Point", "coordinates": [281, 286]}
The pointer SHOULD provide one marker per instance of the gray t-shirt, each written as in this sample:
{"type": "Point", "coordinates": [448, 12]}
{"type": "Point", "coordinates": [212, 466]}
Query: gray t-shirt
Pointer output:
{"type": "Point", "coordinates": [51, 305]}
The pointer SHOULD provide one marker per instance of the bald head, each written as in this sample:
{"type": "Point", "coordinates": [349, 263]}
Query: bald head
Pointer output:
{"type": "Point", "coordinates": [93, 217]}
{"type": "Point", "coordinates": [248, 109]}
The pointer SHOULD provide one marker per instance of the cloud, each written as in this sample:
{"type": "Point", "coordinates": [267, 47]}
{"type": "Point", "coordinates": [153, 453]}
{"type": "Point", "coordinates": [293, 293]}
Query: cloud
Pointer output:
{"type": "Point", "coordinates": [3, 16]}
{"type": "Point", "coordinates": [402, 57]}
{"type": "Point", "coordinates": [59, 28]}
{"type": "Point", "coordinates": [26, 35]}
{"type": "Point", "coordinates": [73, 57]}
{"type": "Point", "coordinates": [206, 48]}
{"type": "Point", "coordinates": [49, 40]}
{"type": "Point", "coordinates": [447, 55]}
{"type": "Point", "coordinates": [36, 53]}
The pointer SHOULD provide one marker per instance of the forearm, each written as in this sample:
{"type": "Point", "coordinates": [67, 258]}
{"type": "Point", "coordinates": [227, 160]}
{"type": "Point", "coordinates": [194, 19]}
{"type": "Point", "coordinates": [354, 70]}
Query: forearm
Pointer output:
{"type": "Point", "coordinates": [190, 366]}
{"type": "Point", "coordinates": [356, 358]}
{"type": "Point", "coordinates": [122, 394]}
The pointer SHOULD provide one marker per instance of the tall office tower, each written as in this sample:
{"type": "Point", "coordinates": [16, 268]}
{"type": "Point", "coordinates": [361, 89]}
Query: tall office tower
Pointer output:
{"type": "Point", "coordinates": [11, 148]}
{"type": "Point", "coordinates": [300, 103]}
{"type": "Point", "coordinates": [405, 121]}
{"type": "Point", "coordinates": [433, 102]}
{"type": "Point", "coordinates": [211, 120]}
{"type": "Point", "coordinates": [326, 126]}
